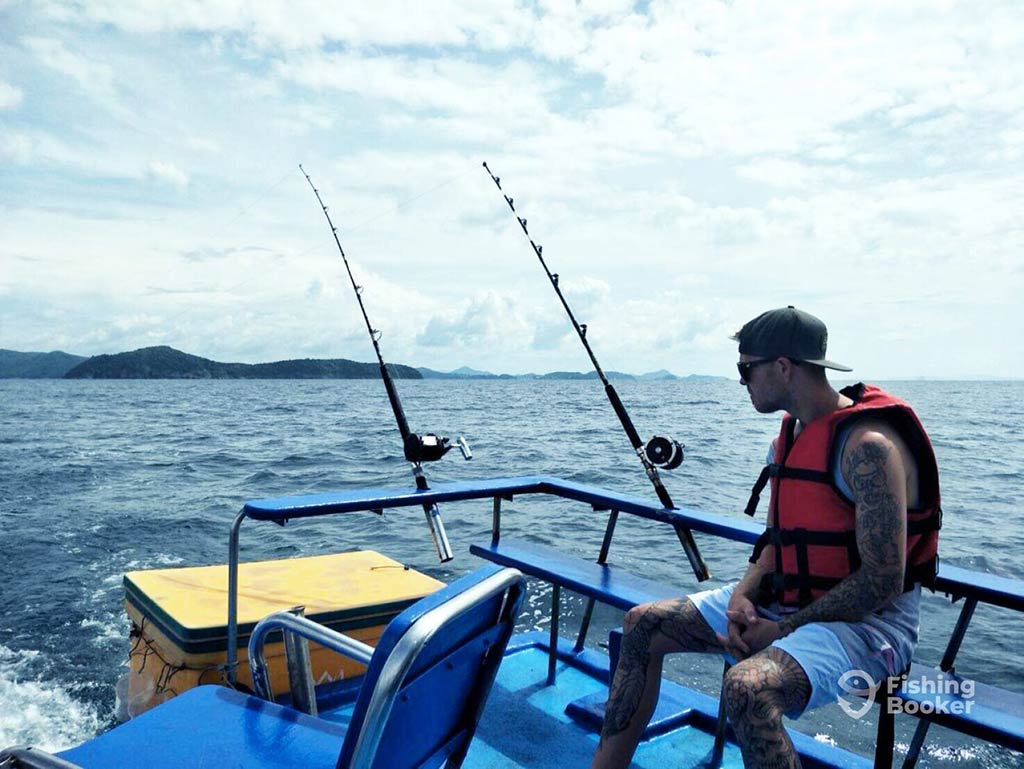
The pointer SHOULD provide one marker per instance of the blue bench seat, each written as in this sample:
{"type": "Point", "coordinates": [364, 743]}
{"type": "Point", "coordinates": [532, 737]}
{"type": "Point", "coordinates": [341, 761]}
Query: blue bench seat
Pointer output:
{"type": "Point", "coordinates": [611, 585]}
{"type": "Point", "coordinates": [991, 713]}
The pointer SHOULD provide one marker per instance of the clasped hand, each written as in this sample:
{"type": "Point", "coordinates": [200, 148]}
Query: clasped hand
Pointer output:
{"type": "Point", "coordinates": [747, 632]}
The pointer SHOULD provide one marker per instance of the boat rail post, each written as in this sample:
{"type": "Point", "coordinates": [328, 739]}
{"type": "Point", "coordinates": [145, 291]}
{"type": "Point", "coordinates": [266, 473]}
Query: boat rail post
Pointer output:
{"type": "Point", "coordinates": [300, 669]}
{"type": "Point", "coordinates": [556, 593]}
{"type": "Point", "coordinates": [714, 760]}
{"type": "Point", "coordinates": [232, 650]}
{"type": "Point", "coordinates": [946, 666]}
{"type": "Point", "coordinates": [602, 558]}
{"type": "Point", "coordinates": [496, 521]}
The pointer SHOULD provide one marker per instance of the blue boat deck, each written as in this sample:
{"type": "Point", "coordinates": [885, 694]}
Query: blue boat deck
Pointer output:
{"type": "Point", "coordinates": [528, 723]}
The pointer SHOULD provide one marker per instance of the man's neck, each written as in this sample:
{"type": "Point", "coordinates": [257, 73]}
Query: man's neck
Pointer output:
{"type": "Point", "coordinates": [818, 402]}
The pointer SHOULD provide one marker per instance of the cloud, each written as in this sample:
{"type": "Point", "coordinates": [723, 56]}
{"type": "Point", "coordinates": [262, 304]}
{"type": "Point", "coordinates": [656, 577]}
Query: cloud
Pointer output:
{"type": "Point", "coordinates": [160, 291]}
{"type": "Point", "coordinates": [298, 24]}
{"type": "Point", "coordinates": [207, 253]}
{"type": "Point", "coordinates": [585, 293]}
{"type": "Point", "coordinates": [450, 85]}
{"type": "Point", "coordinates": [93, 76]}
{"type": "Point", "coordinates": [168, 173]}
{"type": "Point", "coordinates": [10, 96]}
{"type": "Point", "coordinates": [489, 318]}
{"type": "Point", "coordinates": [797, 175]}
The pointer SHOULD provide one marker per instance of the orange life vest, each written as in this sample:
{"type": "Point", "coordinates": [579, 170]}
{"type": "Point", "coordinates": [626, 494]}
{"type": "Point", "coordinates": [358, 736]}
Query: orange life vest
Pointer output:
{"type": "Point", "coordinates": [811, 525]}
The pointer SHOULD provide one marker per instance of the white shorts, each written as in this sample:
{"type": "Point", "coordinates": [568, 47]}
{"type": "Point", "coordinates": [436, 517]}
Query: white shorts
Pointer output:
{"type": "Point", "coordinates": [816, 648]}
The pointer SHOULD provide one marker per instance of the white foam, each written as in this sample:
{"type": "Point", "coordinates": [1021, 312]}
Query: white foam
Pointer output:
{"type": "Point", "coordinates": [168, 560]}
{"type": "Point", "coordinates": [40, 713]}
{"type": "Point", "coordinates": [954, 754]}
{"type": "Point", "coordinates": [112, 630]}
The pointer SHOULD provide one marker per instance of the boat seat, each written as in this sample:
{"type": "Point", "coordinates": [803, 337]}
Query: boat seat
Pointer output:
{"type": "Point", "coordinates": [604, 583]}
{"type": "Point", "coordinates": [419, 704]}
{"type": "Point", "coordinates": [990, 713]}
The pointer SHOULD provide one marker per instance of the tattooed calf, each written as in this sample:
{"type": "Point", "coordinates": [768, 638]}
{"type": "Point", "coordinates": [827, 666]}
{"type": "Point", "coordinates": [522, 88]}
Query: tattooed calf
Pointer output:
{"type": "Point", "coordinates": [653, 629]}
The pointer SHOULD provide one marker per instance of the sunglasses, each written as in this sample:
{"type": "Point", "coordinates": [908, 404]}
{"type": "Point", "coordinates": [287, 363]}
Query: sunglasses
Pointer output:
{"type": "Point", "coordinates": [745, 368]}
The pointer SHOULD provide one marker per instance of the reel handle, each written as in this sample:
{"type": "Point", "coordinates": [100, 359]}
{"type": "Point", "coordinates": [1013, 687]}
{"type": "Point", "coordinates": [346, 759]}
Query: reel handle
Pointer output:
{"type": "Point", "coordinates": [430, 447]}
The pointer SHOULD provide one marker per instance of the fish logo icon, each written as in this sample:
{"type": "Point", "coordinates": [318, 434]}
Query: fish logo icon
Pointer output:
{"type": "Point", "coordinates": [862, 687]}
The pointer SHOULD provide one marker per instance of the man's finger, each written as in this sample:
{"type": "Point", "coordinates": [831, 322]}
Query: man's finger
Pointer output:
{"type": "Point", "coordinates": [727, 643]}
{"type": "Point", "coordinates": [729, 648]}
{"type": "Point", "coordinates": [737, 640]}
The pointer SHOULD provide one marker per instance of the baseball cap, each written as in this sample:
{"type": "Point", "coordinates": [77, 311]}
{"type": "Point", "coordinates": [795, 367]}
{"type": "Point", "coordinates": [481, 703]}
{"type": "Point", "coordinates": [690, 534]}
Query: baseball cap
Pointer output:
{"type": "Point", "coordinates": [787, 333]}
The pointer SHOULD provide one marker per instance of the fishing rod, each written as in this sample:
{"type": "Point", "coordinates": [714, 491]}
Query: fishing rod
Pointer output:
{"type": "Point", "coordinates": [417, 448]}
{"type": "Point", "coordinates": [660, 451]}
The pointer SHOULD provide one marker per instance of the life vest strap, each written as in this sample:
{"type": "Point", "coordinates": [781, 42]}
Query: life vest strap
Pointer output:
{"type": "Point", "coordinates": [775, 470]}
{"type": "Point", "coordinates": [759, 546]}
{"type": "Point", "coordinates": [802, 537]}
{"type": "Point", "coordinates": [779, 583]}
{"type": "Point", "coordinates": [755, 493]}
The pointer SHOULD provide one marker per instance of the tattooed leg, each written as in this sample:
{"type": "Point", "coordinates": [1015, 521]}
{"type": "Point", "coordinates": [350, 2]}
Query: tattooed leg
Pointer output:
{"type": "Point", "coordinates": [757, 692]}
{"type": "Point", "coordinates": [651, 631]}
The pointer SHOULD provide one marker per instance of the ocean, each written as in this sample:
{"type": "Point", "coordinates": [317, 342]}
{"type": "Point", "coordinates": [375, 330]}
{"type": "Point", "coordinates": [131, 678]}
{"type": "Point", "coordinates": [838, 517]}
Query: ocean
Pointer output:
{"type": "Point", "coordinates": [100, 477]}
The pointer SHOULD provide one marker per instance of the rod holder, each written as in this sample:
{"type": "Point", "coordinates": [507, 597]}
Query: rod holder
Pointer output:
{"type": "Point", "coordinates": [438, 534]}
{"type": "Point", "coordinates": [300, 668]}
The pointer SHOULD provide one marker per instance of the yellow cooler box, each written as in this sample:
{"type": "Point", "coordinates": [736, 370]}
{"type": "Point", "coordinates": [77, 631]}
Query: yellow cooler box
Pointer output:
{"type": "Point", "coordinates": [179, 618]}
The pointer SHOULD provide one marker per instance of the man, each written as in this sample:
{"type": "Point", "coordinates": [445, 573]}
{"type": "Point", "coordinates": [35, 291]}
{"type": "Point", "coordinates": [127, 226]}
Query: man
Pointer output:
{"type": "Point", "coordinates": [834, 582]}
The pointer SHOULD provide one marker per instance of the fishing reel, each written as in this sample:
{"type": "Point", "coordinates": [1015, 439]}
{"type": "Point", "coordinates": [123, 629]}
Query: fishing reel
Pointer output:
{"type": "Point", "coordinates": [430, 448]}
{"type": "Point", "coordinates": [664, 451]}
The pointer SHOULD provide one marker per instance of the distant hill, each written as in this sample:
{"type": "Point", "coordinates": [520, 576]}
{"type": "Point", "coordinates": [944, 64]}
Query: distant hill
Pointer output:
{"type": "Point", "coordinates": [465, 372]}
{"type": "Point", "coordinates": [612, 375]}
{"type": "Point", "coordinates": [167, 363]}
{"type": "Point", "coordinates": [654, 376]}
{"type": "Point", "coordinates": [36, 365]}
{"type": "Point", "coordinates": [659, 375]}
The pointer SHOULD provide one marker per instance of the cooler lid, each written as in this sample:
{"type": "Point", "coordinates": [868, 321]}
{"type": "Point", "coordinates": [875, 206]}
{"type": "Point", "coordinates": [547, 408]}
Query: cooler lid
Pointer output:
{"type": "Point", "coordinates": [344, 590]}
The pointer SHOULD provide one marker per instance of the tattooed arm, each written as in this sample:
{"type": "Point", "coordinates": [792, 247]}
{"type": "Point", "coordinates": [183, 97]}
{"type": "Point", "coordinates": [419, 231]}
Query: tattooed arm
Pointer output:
{"type": "Point", "coordinates": [875, 465]}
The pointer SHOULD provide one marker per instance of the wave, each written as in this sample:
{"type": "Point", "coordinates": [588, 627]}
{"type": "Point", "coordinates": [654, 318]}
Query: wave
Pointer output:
{"type": "Point", "coordinates": [38, 712]}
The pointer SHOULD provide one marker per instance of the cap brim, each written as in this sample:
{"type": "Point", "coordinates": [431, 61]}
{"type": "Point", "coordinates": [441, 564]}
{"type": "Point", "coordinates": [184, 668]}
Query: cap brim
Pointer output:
{"type": "Point", "coordinates": [829, 364]}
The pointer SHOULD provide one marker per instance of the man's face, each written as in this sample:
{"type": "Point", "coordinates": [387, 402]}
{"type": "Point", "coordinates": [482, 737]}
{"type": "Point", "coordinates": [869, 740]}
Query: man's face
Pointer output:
{"type": "Point", "coordinates": [762, 383]}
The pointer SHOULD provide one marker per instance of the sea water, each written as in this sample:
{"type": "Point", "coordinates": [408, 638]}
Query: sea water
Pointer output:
{"type": "Point", "coordinates": [101, 477]}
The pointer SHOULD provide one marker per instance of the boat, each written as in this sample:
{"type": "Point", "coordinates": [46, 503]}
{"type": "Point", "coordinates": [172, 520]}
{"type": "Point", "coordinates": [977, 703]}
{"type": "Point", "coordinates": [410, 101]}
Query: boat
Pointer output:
{"type": "Point", "coordinates": [447, 675]}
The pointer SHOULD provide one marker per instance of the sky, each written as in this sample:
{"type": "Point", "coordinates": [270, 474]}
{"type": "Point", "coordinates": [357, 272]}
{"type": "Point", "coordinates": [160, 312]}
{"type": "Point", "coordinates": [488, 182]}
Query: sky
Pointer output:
{"type": "Point", "coordinates": [686, 165]}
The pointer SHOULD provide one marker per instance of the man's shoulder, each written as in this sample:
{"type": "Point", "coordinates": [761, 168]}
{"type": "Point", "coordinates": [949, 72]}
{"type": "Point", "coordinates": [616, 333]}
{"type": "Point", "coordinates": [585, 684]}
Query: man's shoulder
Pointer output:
{"type": "Point", "coordinates": [871, 441]}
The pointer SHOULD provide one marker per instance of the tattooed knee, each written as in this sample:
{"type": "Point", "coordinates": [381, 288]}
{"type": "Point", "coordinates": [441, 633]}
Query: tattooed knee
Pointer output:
{"type": "Point", "coordinates": [634, 616]}
{"type": "Point", "coordinates": [751, 691]}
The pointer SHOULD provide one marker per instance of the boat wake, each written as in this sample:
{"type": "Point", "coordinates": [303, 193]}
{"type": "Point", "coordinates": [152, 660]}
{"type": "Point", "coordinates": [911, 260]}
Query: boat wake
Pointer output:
{"type": "Point", "coordinates": [38, 712]}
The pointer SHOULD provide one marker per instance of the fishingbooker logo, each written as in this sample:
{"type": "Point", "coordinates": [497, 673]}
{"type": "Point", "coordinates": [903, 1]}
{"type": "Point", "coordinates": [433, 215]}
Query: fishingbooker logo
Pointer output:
{"type": "Point", "coordinates": [933, 692]}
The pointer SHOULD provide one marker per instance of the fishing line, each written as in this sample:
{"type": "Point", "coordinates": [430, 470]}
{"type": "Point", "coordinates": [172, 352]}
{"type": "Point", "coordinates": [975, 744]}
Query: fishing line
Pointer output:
{"type": "Point", "coordinates": [257, 199]}
{"type": "Point", "coordinates": [417, 449]}
{"type": "Point", "coordinates": [402, 204]}
{"type": "Point", "coordinates": [316, 246]}
{"type": "Point", "coordinates": [660, 451]}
